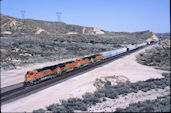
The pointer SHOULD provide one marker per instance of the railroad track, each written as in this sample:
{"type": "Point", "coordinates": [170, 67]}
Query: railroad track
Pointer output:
{"type": "Point", "coordinates": [16, 91]}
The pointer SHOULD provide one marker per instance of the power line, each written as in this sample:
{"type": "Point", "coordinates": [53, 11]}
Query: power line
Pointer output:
{"type": "Point", "coordinates": [58, 16]}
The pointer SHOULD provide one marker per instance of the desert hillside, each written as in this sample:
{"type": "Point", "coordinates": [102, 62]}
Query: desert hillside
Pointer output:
{"type": "Point", "coordinates": [19, 27]}
{"type": "Point", "coordinates": [27, 41]}
{"type": "Point", "coordinates": [158, 57]}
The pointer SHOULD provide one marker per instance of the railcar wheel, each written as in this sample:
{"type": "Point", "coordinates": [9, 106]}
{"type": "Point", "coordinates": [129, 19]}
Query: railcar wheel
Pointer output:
{"type": "Point", "coordinates": [53, 76]}
{"type": "Point", "coordinates": [31, 84]}
{"type": "Point", "coordinates": [34, 82]}
{"type": "Point", "coordinates": [59, 73]}
{"type": "Point", "coordinates": [37, 81]}
{"type": "Point", "coordinates": [27, 84]}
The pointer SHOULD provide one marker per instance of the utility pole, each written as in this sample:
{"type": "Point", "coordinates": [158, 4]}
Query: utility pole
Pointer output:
{"type": "Point", "coordinates": [58, 16]}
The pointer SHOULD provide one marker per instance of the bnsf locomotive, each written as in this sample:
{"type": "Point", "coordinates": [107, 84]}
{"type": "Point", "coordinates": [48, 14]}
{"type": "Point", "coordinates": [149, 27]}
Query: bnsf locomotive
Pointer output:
{"type": "Point", "coordinates": [39, 75]}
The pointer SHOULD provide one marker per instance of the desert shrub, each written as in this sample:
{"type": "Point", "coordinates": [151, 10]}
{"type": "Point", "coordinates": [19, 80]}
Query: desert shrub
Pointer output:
{"type": "Point", "coordinates": [74, 104]}
{"type": "Point", "coordinates": [51, 107]}
{"type": "Point", "coordinates": [141, 54]}
{"type": "Point", "coordinates": [167, 75]}
{"type": "Point", "coordinates": [161, 104]}
{"type": "Point", "coordinates": [57, 108]}
{"type": "Point", "coordinates": [39, 111]}
{"type": "Point", "coordinates": [106, 92]}
{"type": "Point", "coordinates": [60, 109]}
{"type": "Point", "coordinates": [90, 99]}
{"type": "Point", "coordinates": [123, 89]}
{"type": "Point", "coordinates": [107, 84]}
{"type": "Point", "coordinates": [100, 93]}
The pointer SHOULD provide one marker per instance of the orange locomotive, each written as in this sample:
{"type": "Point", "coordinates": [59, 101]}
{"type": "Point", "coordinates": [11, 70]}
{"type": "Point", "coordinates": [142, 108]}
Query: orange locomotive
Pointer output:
{"type": "Point", "coordinates": [39, 75]}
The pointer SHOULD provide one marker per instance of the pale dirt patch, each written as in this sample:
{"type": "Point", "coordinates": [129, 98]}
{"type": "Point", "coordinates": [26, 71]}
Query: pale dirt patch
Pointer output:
{"type": "Point", "coordinates": [79, 85]}
{"type": "Point", "coordinates": [114, 80]}
{"type": "Point", "coordinates": [71, 33]}
{"type": "Point", "coordinates": [110, 105]}
{"type": "Point", "coordinates": [39, 30]}
{"type": "Point", "coordinates": [6, 33]}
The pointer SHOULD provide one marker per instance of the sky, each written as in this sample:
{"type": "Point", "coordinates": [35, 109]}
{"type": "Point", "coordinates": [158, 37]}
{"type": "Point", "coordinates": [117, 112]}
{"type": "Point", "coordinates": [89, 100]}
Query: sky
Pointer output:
{"type": "Point", "coordinates": [110, 15]}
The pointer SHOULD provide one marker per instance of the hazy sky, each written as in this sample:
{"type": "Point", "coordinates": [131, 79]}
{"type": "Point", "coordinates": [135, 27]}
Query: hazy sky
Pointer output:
{"type": "Point", "coordinates": [111, 15]}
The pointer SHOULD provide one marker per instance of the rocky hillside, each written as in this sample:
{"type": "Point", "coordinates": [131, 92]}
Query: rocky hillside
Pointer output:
{"type": "Point", "coordinates": [18, 27]}
{"type": "Point", "coordinates": [26, 41]}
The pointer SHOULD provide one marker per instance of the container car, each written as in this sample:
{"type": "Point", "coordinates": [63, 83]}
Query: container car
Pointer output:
{"type": "Point", "coordinates": [131, 47]}
{"type": "Point", "coordinates": [141, 44]}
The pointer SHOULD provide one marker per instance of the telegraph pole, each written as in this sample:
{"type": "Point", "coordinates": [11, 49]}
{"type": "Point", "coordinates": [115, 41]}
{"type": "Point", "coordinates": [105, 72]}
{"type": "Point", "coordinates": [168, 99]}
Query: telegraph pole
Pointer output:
{"type": "Point", "coordinates": [58, 16]}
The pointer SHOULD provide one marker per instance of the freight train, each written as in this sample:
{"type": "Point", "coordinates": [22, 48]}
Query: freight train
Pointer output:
{"type": "Point", "coordinates": [38, 75]}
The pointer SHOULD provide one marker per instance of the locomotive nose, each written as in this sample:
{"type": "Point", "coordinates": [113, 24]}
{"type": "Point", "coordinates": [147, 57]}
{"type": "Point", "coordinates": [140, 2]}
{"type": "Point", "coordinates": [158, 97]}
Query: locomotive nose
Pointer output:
{"type": "Point", "coordinates": [26, 76]}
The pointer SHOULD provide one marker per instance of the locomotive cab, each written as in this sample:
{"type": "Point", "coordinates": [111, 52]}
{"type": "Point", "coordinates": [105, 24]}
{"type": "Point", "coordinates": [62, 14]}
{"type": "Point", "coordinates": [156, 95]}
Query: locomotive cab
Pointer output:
{"type": "Point", "coordinates": [30, 76]}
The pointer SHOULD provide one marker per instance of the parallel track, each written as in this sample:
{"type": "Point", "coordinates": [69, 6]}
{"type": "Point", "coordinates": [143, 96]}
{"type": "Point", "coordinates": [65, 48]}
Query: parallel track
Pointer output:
{"type": "Point", "coordinates": [13, 92]}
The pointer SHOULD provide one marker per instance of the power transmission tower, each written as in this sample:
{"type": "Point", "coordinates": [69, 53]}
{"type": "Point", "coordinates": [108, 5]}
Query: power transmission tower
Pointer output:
{"type": "Point", "coordinates": [23, 17]}
{"type": "Point", "coordinates": [23, 14]}
{"type": "Point", "coordinates": [58, 16]}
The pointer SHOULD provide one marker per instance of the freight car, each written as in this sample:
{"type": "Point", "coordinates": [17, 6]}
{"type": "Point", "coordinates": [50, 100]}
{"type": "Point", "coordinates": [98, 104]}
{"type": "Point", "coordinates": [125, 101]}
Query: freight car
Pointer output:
{"type": "Point", "coordinates": [109, 54]}
{"type": "Point", "coordinates": [49, 72]}
{"type": "Point", "coordinates": [131, 47]}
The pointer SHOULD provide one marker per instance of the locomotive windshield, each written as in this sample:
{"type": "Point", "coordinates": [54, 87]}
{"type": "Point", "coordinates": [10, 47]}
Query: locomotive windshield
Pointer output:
{"type": "Point", "coordinates": [29, 73]}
